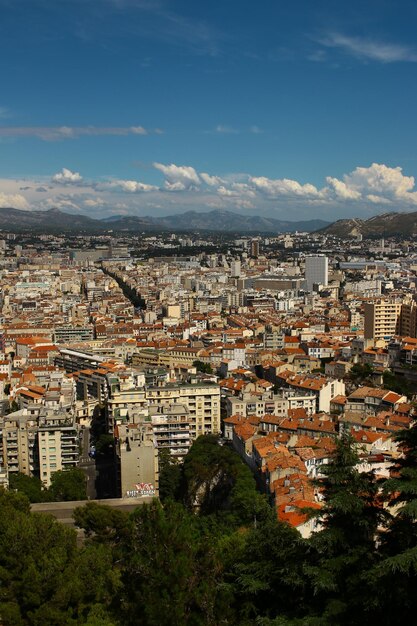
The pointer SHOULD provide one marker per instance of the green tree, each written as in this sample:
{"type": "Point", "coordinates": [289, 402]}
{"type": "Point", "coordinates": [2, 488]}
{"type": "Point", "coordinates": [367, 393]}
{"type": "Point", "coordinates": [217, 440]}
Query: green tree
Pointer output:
{"type": "Point", "coordinates": [68, 485]}
{"type": "Point", "coordinates": [267, 573]}
{"type": "Point", "coordinates": [44, 577]}
{"type": "Point", "coordinates": [31, 486]}
{"type": "Point", "coordinates": [361, 372]}
{"type": "Point", "coordinates": [396, 575]}
{"type": "Point", "coordinates": [396, 383]}
{"type": "Point", "coordinates": [203, 367]}
{"type": "Point", "coordinates": [102, 523]}
{"type": "Point", "coordinates": [171, 570]}
{"type": "Point", "coordinates": [105, 445]}
{"type": "Point", "coordinates": [217, 482]}
{"type": "Point", "coordinates": [169, 475]}
{"type": "Point", "coordinates": [343, 551]}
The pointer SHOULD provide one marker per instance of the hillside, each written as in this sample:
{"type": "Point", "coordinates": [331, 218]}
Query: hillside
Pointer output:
{"type": "Point", "coordinates": [388, 225]}
{"type": "Point", "coordinates": [52, 221]}
{"type": "Point", "coordinates": [55, 221]}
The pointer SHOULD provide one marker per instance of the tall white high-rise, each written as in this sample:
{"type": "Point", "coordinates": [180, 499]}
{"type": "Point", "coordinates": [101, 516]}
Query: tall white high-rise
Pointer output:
{"type": "Point", "coordinates": [235, 268]}
{"type": "Point", "coordinates": [317, 271]}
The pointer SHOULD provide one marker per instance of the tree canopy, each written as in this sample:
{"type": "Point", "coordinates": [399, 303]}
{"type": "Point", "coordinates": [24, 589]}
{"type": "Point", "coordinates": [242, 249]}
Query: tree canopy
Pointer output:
{"type": "Point", "coordinates": [68, 485]}
{"type": "Point", "coordinates": [214, 553]}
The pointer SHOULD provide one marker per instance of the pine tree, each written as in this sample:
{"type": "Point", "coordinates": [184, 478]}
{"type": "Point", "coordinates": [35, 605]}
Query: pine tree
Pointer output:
{"type": "Point", "coordinates": [266, 573]}
{"type": "Point", "coordinates": [170, 569]}
{"type": "Point", "coordinates": [396, 575]}
{"type": "Point", "coordinates": [342, 552]}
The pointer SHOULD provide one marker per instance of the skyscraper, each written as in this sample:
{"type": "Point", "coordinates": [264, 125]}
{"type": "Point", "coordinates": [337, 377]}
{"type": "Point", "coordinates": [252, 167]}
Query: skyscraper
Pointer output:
{"type": "Point", "coordinates": [316, 271]}
{"type": "Point", "coordinates": [254, 248]}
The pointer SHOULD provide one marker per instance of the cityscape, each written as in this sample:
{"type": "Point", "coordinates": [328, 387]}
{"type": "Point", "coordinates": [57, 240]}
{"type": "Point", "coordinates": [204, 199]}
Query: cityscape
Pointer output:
{"type": "Point", "coordinates": [208, 313]}
{"type": "Point", "coordinates": [115, 348]}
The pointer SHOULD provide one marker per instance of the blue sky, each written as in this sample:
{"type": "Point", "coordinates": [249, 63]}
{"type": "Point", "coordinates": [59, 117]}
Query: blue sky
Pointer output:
{"type": "Point", "coordinates": [154, 107]}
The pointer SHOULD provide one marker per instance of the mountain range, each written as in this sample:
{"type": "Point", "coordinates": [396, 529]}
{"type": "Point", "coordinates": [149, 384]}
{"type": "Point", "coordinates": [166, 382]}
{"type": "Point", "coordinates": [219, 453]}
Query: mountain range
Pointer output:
{"type": "Point", "coordinates": [55, 221]}
{"type": "Point", "coordinates": [385, 225]}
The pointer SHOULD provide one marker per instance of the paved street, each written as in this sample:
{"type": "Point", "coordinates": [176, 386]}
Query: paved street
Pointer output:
{"type": "Point", "coordinates": [88, 465]}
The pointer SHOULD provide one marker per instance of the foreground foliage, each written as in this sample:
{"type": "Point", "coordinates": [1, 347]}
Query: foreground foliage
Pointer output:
{"type": "Point", "coordinates": [66, 485]}
{"type": "Point", "coordinates": [215, 554]}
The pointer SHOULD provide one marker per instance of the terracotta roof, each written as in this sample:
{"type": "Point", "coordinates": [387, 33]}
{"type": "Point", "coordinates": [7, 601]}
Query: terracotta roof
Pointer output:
{"type": "Point", "coordinates": [245, 431]}
{"type": "Point", "coordinates": [291, 513]}
{"type": "Point", "coordinates": [392, 397]}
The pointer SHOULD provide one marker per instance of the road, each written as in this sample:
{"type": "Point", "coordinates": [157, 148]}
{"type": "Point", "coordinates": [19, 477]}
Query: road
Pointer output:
{"type": "Point", "coordinates": [88, 465]}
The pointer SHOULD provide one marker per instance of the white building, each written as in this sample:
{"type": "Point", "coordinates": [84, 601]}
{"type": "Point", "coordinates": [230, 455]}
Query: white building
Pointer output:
{"type": "Point", "coordinates": [235, 268]}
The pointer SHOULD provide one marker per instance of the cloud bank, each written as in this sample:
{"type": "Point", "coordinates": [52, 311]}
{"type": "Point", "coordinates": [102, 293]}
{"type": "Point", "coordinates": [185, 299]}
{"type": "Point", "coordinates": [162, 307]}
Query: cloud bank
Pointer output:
{"type": "Point", "coordinates": [362, 192]}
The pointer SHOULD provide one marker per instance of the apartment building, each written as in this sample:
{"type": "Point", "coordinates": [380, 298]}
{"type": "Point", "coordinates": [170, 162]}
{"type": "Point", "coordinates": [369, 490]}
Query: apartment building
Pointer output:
{"type": "Point", "coordinates": [201, 400]}
{"type": "Point", "coordinates": [408, 319]}
{"type": "Point", "coordinates": [38, 442]}
{"type": "Point", "coordinates": [18, 443]}
{"type": "Point", "coordinates": [270, 404]}
{"type": "Point", "coordinates": [172, 428]}
{"type": "Point", "coordinates": [74, 360]}
{"type": "Point", "coordinates": [67, 334]}
{"type": "Point", "coordinates": [324, 389]}
{"type": "Point", "coordinates": [382, 318]}
{"type": "Point", "coordinates": [371, 401]}
{"type": "Point", "coordinates": [58, 446]}
{"type": "Point", "coordinates": [138, 469]}
{"type": "Point", "coordinates": [273, 338]}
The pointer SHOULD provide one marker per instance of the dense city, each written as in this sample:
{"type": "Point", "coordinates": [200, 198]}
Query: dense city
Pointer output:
{"type": "Point", "coordinates": [278, 344]}
{"type": "Point", "coordinates": [131, 362]}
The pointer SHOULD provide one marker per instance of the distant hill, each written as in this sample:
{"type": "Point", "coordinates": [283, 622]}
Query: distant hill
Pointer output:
{"type": "Point", "coordinates": [234, 222]}
{"type": "Point", "coordinates": [55, 221]}
{"type": "Point", "coordinates": [52, 220]}
{"type": "Point", "coordinates": [388, 225]}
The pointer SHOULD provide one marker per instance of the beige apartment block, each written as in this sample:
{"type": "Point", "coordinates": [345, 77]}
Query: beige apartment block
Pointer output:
{"type": "Point", "coordinates": [202, 402]}
{"type": "Point", "coordinates": [381, 318]}
{"type": "Point", "coordinates": [38, 442]}
{"type": "Point", "coordinates": [58, 445]}
{"type": "Point", "coordinates": [408, 319]}
{"type": "Point", "coordinates": [138, 460]}
{"type": "Point", "coordinates": [18, 438]}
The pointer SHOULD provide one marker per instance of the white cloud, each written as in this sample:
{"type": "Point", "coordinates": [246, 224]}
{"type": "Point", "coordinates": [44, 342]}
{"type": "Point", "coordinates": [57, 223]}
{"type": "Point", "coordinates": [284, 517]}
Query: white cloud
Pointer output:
{"type": "Point", "coordinates": [93, 202]}
{"type": "Point", "coordinates": [178, 177]}
{"type": "Point", "coordinates": [13, 201]}
{"type": "Point", "coordinates": [363, 191]}
{"type": "Point", "coordinates": [211, 181]}
{"type": "Point", "coordinates": [57, 133]}
{"type": "Point", "coordinates": [284, 187]}
{"type": "Point", "coordinates": [382, 181]}
{"type": "Point", "coordinates": [223, 191]}
{"type": "Point", "coordinates": [130, 186]}
{"type": "Point", "coordinates": [243, 190]}
{"type": "Point", "coordinates": [370, 50]}
{"type": "Point", "coordinates": [226, 130]}
{"type": "Point", "coordinates": [377, 199]}
{"type": "Point", "coordinates": [341, 190]}
{"type": "Point", "coordinates": [138, 130]}
{"type": "Point", "coordinates": [63, 202]}
{"type": "Point", "coordinates": [65, 176]}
